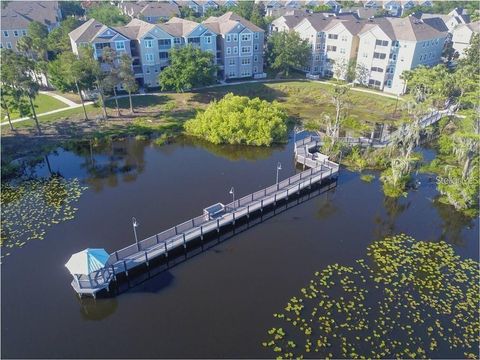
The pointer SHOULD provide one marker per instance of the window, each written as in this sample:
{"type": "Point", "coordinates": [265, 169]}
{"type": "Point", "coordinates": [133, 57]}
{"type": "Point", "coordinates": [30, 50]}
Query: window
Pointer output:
{"type": "Point", "coordinates": [389, 83]}
{"type": "Point", "coordinates": [148, 43]}
{"type": "Point", "coordinates": [1, 46]}
{"type": "Point", "coordinates": [231, 74]}
{"type": "Point", "coordinates": [255, 58]}
{"type": "Point", "coordinates": [255, 47]}
{"type": "Point", "coordinates": [5, 33]}
{"type": "Point", "coordinates": [246, 61]}
{"type": "Point", "coordinates": [344, 38]}
{"type": "Point", "coordinates": [379, 55]}
{"type": "Point", "coordinates": [374, 83]}
{"type": "Point", "coordinates": [208, 39]}
{"type": "Point", "coordinates": [342, 51]}
{"type": "Point", "coordinates": [229, 38]}
{"type": "Point", "coordinates": [256, 35]}
{"type": "Point", "coordinates": [177, 41]}
{"type": "Point", "coordinates": [246, 73]}
{"type": "Point", "coordinates": [163, 55]}
{"type": "Point", "coordinates": [393, 56]}
{"type": "Point", "coordinates": [246, 49]}
{"type": "Point", "coordinates": [381, 42]}
{"type": "Point", "coordinates": [331, 48]}
{"type": "Point", "coordinates": [436, 41]}
{"type": "Point", "coordinates": [317, 57]}
{"type": "Point", "coordinates": [390, 70]}
{"type": "Point", "coordinates": [318, 46]}
{"type": "Point", "coordinates": [246, 37]}
{"type": "Point", "coordinates": [164, 43]}
{"type": "Point", "coordinates": [235, 49]}
{"type": "Point", "coordinates": [194, 40]}
{"type": "Point", "coordinates": [119, 45]}
{"type": "Point", "coordinates": [377, 69]}
{"type": "Point", "coordinates": [332, 36]}
{"type": "Point", "coordinates": [255, 69]}
{"type": "Point", "coordinates": [235, 37]}
{"type": "Point", "coordinates": [9, 45]}
{"type": "Point", "coordinates": [15, 33]}
{"type": "Point", "coordinates": [395, 43]}
{"type": "Point", "coordinates": [315, 68]}
{"type": "Point", "coordinates": [149, 57]}
{"type": "Point", "coordinates": [365, 55]}
{"type": "Point", "coordinates": [231, 62]}
{"type": "Point", "coordinates": [229, 50]}
{"type": "Point", "coordinates": [24, 32]}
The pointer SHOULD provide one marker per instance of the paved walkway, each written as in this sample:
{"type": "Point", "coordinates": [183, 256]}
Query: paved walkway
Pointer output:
{"type": "Point", "coordinates": [71, 105]}
{"type": "Point", "coordinates": [61, 98]}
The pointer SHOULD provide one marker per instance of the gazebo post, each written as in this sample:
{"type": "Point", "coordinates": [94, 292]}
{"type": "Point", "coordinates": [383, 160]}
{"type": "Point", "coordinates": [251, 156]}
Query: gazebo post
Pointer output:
{"type": "Point", "coordinates": [77, 279]}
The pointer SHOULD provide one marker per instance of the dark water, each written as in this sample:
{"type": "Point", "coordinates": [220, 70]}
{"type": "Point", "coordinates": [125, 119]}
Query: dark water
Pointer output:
{"type": "Point", "coordinates": [217, 304]}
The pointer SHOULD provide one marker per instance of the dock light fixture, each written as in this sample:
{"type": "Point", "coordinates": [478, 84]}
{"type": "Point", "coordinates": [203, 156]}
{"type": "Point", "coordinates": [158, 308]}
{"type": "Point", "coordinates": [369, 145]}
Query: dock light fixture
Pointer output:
{"type": "Point", "coordinates": [135, 225]}
{"type": "Point", "coordinates": [232, 192]}
{"type": "Point", "coordinates": [279, 167]}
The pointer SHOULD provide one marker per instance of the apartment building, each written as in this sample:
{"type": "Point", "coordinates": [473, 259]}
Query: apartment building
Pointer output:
{"type": "Point", "coordinates": [99, 36]}
{"type": "Point", "coordinates": [149, 46]}
{"type": "Point", "coordinates": [239, 46]}
{"type": "Point", "coordinates": [288, 21]}
{"type": "Point", "coordinates": [389, 46]}
{"type": "Point", "coordinates": [150, 11]}
{"type": "Point", "coordinates": [462, 36]}
{"type": "Point", "coordinates": [17, 16]}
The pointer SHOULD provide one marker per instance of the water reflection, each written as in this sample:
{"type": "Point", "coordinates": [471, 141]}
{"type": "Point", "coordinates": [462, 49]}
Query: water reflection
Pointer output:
{"type": "Point", "coordinates": [454, 223]}
{"type": "Point", "coordinates": [233, 152]}
{"type": "Point", "coordinates": [97, 309]}
{"type": "Point", "coordinates": [386, 223]}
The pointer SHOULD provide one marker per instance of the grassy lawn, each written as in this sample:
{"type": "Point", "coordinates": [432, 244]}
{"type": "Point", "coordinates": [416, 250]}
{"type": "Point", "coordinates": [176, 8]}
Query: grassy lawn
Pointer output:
{"type": "Point", "coordinates": [303, 100]}
{"type": "Point", "coordinates": [42, 103]}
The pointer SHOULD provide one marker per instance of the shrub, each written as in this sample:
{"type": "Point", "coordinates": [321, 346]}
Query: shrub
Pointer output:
{"type": "Point", "coordinates": [240, 120]}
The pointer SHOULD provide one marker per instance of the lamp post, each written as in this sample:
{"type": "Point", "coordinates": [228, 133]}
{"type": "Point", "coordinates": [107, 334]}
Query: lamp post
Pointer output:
{"type": "Point", "coordinates": [135, 224]}
{"type": "Point", "coordinates": [279, 167]}
{"type": "Point", "coordinates": [232, 192]}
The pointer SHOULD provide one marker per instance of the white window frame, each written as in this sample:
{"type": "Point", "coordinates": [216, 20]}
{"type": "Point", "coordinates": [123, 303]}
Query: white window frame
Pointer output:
{"type": "Point", "coordinates": [148, 43]}
{"type": "Point", "coordinates": [5, 33]}
{"type": "Point", "coordinates": [15, 33]}
{"type": "Point", "coordinates": [231, 62]}
{"type": "Point", "coordinates": [208, 39]}
{"type": "Point", "coordinates": [256, 35]}
{"type": "Point", "coordinates": [149, 58]}
{"type": "Point", "coordinates": [119, 42]}
{"type": "Point", "coordinates": [235, 37]}
{"type": "Point", "coordinates": [246, 37]}
{"type": "Point", "coordinates": [255, 58]}
{"type": "Point", "coordinates": [177, 41]}
{"type": "Point", "coordinates": [235, 49]}
{"type": "Point", "coordinates": [229, 38]}
{"type": "Point", "coordinates": [24, 32]}
{"type": "Point", "coordinates": [255, 47]}
{"type": "Point", "coordinates": [246, 61]}
{"type": "Point", "coordinates": [9, 45]}
{"type": "Point", "coordinates": [249, 48]}
{"type": "Point", "coordinates": [229, 50]}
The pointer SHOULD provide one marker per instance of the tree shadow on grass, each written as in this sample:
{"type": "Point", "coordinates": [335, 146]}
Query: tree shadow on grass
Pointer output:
{"type": "Point", "coordinates": [253, 90]}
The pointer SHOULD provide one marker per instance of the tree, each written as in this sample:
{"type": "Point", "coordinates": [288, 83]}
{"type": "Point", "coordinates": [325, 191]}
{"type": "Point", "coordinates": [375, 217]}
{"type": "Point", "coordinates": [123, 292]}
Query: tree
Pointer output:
{"type": "Point", "coordinates": [38, 33]}
{"type": "Point", "coordinates": [127, 77]}
{"type": "Point", "coordinates": [58, 40]}
{"type": "Point", "coordinates": [258, 16]}
{"type": "Point", "coordinates": [362, 74]}
{"type": "Point", "coordinates": [90, 63]}
{"type": "Point", "coordinates": [71, 8]}
{"type": "Point", "coordinates": [240, 120]}
{"type": "Point", "coordinates": [7, 101]}
{"type": "Point", "coordinates": [112, 79]}
{"type": "Point", "coordinates": [244, 8]}
{"type": "Point", "coordinates": [189, 67]}
{"type": "Point", "coordinates": [286, 50]}
{"type": "Point", "coordinates": [17, 75]}
{"type": "Point", "coordinates": [107, 14]}
{"type": "Point", "coordinates": [69, 73]}
{"type": "Point", "coordinates": [340, 97]}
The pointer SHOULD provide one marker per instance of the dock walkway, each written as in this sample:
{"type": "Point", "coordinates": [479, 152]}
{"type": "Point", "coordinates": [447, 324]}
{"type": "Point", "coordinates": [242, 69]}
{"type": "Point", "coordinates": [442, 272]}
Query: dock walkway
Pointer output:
{"type": "Point", "coordinates": [316, 166]}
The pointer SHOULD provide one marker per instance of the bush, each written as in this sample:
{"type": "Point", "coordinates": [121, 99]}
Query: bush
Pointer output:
{"type": "Point", "coordinates": [240, 120]}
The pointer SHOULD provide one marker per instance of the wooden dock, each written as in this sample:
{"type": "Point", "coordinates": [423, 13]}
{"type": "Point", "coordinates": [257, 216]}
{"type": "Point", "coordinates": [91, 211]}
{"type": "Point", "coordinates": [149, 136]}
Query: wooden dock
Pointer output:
{"type": "Point", "coordinates": [317, 168]}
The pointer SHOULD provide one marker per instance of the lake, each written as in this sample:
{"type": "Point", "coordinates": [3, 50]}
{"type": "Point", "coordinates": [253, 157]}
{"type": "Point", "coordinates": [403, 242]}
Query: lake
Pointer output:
{"type": "Point", "coordinates": [219, 303]}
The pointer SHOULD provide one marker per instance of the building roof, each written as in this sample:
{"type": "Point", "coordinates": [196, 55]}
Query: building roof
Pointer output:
{"type": "Point", "coordinates": [409, 28]}
{"type": "Point", "coordinates": [135, 29]}
{"type": "Point", "coordinates": [87, 31]}
{"type": "Point", "coordinates": [287, 11]}
{"type": "Point", "coordinates": [18, 14]}
{"type": "Point", "coordinates": [436, 23]}
{"type": "Point", "coordinates": [474, 26]}
{"type": "Point", "coordinates": [179, 27]}
{"type": "Point", "coordinates": [151, 8]}
{"type": "Point", "coordinates": [223, 24]}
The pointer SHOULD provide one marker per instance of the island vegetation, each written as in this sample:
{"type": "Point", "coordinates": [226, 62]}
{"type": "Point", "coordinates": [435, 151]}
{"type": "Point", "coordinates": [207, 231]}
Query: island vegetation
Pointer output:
{"type": "Point", "coordinates": [240, 120]}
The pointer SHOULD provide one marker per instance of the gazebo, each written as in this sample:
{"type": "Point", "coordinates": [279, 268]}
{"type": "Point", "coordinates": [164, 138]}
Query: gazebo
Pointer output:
{"type": "Point", "coordinates": [89, 270]}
